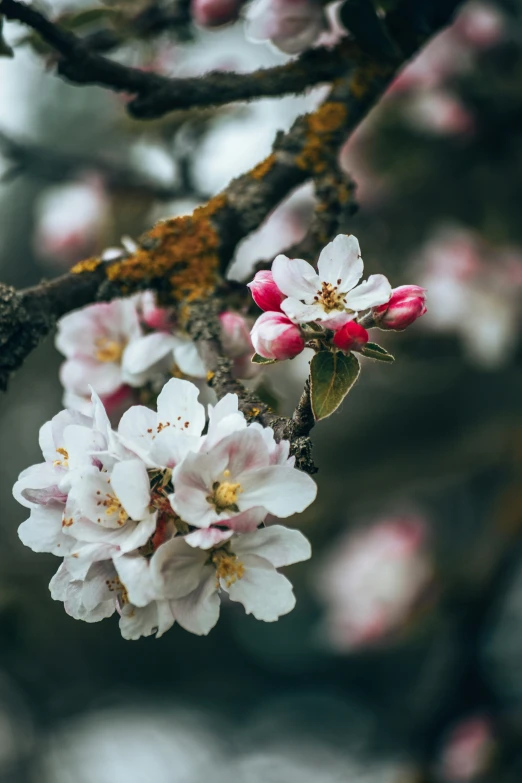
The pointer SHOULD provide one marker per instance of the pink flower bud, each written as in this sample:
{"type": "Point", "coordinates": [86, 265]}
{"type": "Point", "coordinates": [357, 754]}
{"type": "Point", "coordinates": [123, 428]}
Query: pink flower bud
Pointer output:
{"type": "Point", "coordinates": [235, 334]}
{"type": "Point", "coordinates": [351, 337]}
{"type": "Point", "coordinates": [407, 303]}
{"type": "Point", "coordinates": [274, 336]}
{"type": "Point", "coordinates": [212, 13]}
{"type": "Point", "coordinates": [265, 293]}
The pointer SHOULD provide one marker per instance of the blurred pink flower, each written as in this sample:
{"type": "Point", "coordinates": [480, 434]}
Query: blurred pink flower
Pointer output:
{"type": "Point", "coordinates": [291, 25]}
{"type": "Point", "coordinates": [439, 112]}
{"type": "Point", "coordinates": [481, 25]}
{"type": "Point", "coordinates": [467, 750]}
{"type": "Point", "coordinates": [372, 580]}
{"type": "Point", "coordinates": [213, 13]}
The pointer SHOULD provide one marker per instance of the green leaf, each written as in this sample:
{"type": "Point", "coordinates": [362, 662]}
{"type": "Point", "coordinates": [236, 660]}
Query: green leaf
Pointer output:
{"type": "Point", "coordinates": [332, 375]}
{"type": "Point", "coordinates": [257, 359]}
{"type": "Point", "coordinates": [374, 351]}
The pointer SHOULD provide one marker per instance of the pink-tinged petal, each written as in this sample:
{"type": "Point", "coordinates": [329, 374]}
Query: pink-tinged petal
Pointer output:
{"type": "Point", "coordinates": [246, 521]}
{"type": "Point", "coordinates": [176, 568]}
{"type": "Point", "coordinates": [282, 490]}
{"type": "Point", "coordinates": [143, 353]}
{"type": "Point", "coordinates": [193, 481]}
{"type": "Point", "coordinates": [340, 263]}
{"type": "Point", "coordinates": [178, 407]}
{"type": "Point", "coordinates": [296, 278]}
{"type": "Point", "coordinates": [42, 532]}
{"type": "Point", "coordinates": [130, 481]}
{"type": "Point", "coordinates": [245, 450]}
{"type": "Point", "coordinates": [265, 292]}
{"type": "Point", "coordinates": [134, 573]}
{"type": "Point", "coordinates": [80, 444]}
{"type": "Point", "coordinates": [224, 418]}
{"type": "Point", "coordinates": [77, 375]}
{"type": "Point", "coordinates": [336, 319]}
{"type": "Point", "coordinates": [137, 429]}
{"type": "Point", "coordinates": [280, 545]}
{"type": "Point", "coordinates": [274, 336]}
{"type": "Point", "coordinates": [198, 612]}
{"type": "Point", "coordinates": [39, 485]}
{"type": "Point", "coordinates": [135, 622]}
{"type": "Point", "coordinates": [186, 356]}
{"type": "Point", "coordinates": [170, 447]}
{"type": "Point", "coordinates": [302, 313]}
{"type": "Point", "coordinates": [374, 291]}
{"type": "Point", "coordinates": [263, 592]}
{"type": "Point", "coordinates": [208, 537]}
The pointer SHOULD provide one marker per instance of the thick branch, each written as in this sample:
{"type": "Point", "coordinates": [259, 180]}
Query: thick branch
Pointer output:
{"type": "Point", "coordinates": [183, 258]}
{"type": "Point", "coordinates": [157, 95]}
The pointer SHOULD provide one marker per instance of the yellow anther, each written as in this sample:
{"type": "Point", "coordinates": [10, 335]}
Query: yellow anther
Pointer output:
{"type": "Point", "coordinates": [228, 567]}
{"type": "Point", "coordinates": [225, 495]}
{"type": "Point", "coordinates": [63, 462]}
{"type": "Point", "coordinates": [109, 350]}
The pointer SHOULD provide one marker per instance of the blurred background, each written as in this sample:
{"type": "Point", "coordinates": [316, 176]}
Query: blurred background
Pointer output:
{"type": "Point", "coordinates": [402, 662]}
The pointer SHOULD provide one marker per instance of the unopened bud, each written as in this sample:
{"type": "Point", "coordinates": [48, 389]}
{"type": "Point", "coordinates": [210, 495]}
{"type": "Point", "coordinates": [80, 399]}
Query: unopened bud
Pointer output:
{"type": "Point", "coordinates": [407, 303]}
{"type": "Point", "coordinates": [213, 13]}
{"type": "Point", "coordinates": [274, 336]}
{"type": "Point", "coordinates": [351, 337]}
{"type": "Point", "coordinates": [265, 292]}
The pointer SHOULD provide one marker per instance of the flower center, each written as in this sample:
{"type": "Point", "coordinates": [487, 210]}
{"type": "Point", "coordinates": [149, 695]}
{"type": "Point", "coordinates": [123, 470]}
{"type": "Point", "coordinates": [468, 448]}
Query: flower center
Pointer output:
{"type": "Point", "coordinates": [224, 495]}
{"type": "Point", "coordinates": [109, 350]}
{"type": "Point", "coordinates": [63, 462]}
{"type": "Point", "coordinates": [116, 586]}
{"type": "Point", "coordinates": [228, 567]}
{"type": "Point", "coordinates": [113, 506]}
{"type": "Point", "coordinates": [330, 298]}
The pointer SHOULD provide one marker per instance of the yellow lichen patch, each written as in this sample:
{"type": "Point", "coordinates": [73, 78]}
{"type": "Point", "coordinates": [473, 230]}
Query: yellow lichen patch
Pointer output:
{"type": "Point", "coordinates": [321, 125]}
{"type": "Point", "coordinates": [89, 265]}
{"type": "Point", "coordinates": [259, 171]}
{"type": "Point", "coordinates": [183, 251]}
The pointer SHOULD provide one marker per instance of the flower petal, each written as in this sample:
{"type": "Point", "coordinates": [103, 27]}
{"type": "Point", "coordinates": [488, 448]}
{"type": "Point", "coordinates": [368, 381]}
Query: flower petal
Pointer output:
{"type": "Point", "coordinates": [208, 537]}
{"type": "Point", "coordinates": [341, 261]}
{"type": "Point", "coordinates": [178, 407]}
{"type": "Point", "coordinates": [262, 591]}
{"type": "Point", "coordinates": [142, 354]}
{"type": "Point", "coordinates": [43, 531]}
{"type": "Point", "coordinates": [176, 568]}
{"type": "Point", "coordinates": [155, 618]}
{"type": "Point", "coordinates": [280, 545]}
{"type": "Point", "coordinates": [134, 573]}
{"type": "Point", "coordinates": [374, 291]}
{"type": "Point", "coordinates": [198, 612]}
{"type": "Point", "coordinates": [302, 313]}
{"type": "Point", "coordinates": [282, 490]}
{"type": "Point", "coordinates": [130, 481]}
{"type": "Point", "coordinates": [296, 278]}
{"type": "Point", "coordinates": [186, 356]}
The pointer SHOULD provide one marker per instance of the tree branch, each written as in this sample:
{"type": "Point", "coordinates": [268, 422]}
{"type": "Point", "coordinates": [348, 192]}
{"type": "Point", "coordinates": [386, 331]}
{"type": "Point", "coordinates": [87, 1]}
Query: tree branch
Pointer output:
{"type": "Point", "coordinates": [157, 95]}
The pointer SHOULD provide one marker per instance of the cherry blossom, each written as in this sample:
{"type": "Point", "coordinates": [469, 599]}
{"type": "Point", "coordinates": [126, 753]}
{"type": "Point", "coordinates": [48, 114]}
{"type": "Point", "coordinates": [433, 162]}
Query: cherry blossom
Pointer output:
{"type": "Point", "coordinates": [290, 25]}
{"type": "Point", "coordinates": [407, 303]}
{"type": "Point", "coordinates": [372, 580]}
{"type": "Point", "coordinates": [331, 295]}
{"type": "Point", "coordinates": [245, 568]}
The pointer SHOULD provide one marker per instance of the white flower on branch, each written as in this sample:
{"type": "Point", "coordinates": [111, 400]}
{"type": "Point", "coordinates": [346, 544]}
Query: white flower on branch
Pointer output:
{"type": "Point", "coordinates": [331, 296]}
{"type": "Point", "coordinates": [146, 515]}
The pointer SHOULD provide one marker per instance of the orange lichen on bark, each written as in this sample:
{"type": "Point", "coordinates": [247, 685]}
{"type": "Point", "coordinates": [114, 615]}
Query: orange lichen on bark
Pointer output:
{"type": "Point", "coordinates": [259, 171]}
{"type": "Point", "coordinates": [182, 250]}
{"type": "Point", "coordinates": [321, 125]}
{"type": "Point", "coordinates": [89, 265]}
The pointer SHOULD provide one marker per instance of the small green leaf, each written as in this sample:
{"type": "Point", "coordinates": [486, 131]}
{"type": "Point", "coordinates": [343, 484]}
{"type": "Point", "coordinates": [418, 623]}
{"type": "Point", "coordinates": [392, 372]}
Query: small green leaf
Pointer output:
{"type": "Point", "coordinates": [257, 359]}
{"type": "Point", "coordinates": [332, 375]}
{"type": "Point", "coordinates": [374, 351]}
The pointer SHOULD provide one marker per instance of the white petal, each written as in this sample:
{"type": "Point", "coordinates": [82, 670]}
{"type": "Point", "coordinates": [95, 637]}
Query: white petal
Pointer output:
{"type": "Point", "coordinates": [189, 361]}
{"type": "Point", "coordinates": [176, 568]}
{"type": "Point", "coordinates": [39, 485]}
{"type": "Point", "coordinates": [280, 545]}
{"type": "Point", "coordinates": [296, 278]}
{"type": "Point", "coordinates": [170, 447]}
{"type": "Point", "coordinates": [337, 319]}
{"type": "Point", "coordinates": [374, 291]}
{"type": "Point", "coordinates": [134, 573]}
{"type": "Point", "coordinates": [208, 537]}
{"type": "Point", "coordinates": [137, 429]}
{"type": "Point", "coordinates": [136, 622]}
{"type": "Point", "coordinates": [341, 261]}
{"type": "Point", "coordinates": [43, 531]}
{"type": "Point", "coordinates": [262, 591]}
{"type": "Point", "coordinates": [59, 583]}
{"type": "Point", "coordinates": [142, 354]}
{"type": "Point", "coordinates": [130, 481]}
{"type": "Point", "coordinates": [302, 313]}
{"type": "Point", "coordinates": [198, 612]}
{"type": "Point", "coordinates": [193, 481]}
{"type": "Point", "coordinates": [81, 557]}
{"type": "Point", "coordinates": [78, 375]}
{"type": "Point", "coordinates": [282, 490]}
{"type": "Point", "coordinates": [178, 407]}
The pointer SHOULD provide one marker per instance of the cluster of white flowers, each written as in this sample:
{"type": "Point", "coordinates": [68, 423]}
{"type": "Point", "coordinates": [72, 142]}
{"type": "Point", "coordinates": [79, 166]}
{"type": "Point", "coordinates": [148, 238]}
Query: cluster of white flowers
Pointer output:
{"type": "Point", "coordinates": [156, 520]}
{"type": "Point", "coordinates": [128, 344]}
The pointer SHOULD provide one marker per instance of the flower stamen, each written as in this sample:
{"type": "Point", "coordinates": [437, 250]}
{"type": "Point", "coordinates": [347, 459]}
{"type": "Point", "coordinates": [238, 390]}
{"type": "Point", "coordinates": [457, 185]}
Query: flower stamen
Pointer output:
{"type": "Point", "coordinates": [228, 567]}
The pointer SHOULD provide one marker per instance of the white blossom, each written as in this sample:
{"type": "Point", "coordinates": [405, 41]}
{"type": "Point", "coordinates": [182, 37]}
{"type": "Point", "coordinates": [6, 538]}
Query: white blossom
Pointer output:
{"type": "Point", "coordinates": [331, 295]}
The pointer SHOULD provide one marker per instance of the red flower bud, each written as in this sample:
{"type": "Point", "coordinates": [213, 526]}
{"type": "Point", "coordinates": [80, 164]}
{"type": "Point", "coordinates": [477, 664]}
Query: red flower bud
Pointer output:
{"type": "Point", "coordinates": [213, 13]}
{"type": "Point", "coordinates": [274, 336]}
{"type": "Point", "coordinates": [265, 293]}
{"type": "Point", "coordinates": [351, 337]}
{"type": "Point", "coordinates": [407, 303]}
